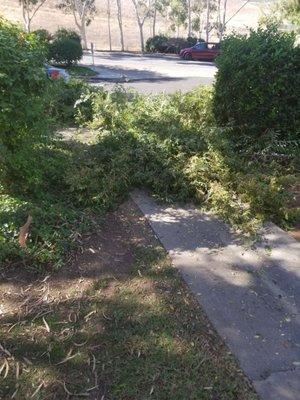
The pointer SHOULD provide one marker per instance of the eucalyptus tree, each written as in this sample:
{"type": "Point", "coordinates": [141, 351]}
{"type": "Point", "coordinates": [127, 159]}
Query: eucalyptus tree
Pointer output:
{"type": "Point", "coordinates": [143, 11]}
{"type": "Point", "coordinates": [108, 12]}
{"type": "Point", "coordinates": [178, 14]}
{"type": "Point", "coordinates": [29, 11]}
{"type": "Point", "coordinates": [198, 9]}
{"type": "Point", "coordinates": [159, 8]}
{"type": "Point", "coordinates": [120, 22]}
{"type": "Point", "coordinates": [83, 12]}
{"type": "Point", "coordinates": [221, 18]}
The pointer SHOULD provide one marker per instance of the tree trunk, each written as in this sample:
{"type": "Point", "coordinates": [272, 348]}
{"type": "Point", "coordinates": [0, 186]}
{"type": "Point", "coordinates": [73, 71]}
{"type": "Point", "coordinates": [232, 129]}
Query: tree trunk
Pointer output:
{"type": "Point", "coordinates": [26, 18]}
{"type": "Point", "coordinates": [154, 23]}
{"type": "Point", "coordinates": [207, 19]}
{"type": "Point", "coordinates": [189, 19]}
{"type": "Point", "coordinates": [83, 34]}
{"type": "Point", "coordinates": [108, 23]}
{"type": "Point", "coordinates": [28, 25]}
{"type": "Point", "coordinates": [224, 19]}
{"type": "Point", "coordinates": [219, 26]}
{"type": "Point", "coordinates": [119, 5]}
{"type": "Point", "coordinates": [141, 37]}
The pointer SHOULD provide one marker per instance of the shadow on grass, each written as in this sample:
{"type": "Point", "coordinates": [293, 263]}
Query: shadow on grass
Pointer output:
{"type": "Point", "coordinates": [141, 336]}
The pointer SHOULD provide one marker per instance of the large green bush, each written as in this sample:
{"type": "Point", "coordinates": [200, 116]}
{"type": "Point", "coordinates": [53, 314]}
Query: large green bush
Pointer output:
{"type": "Point", "coordinates": [65, 51]}
{"type": "Point", "coordinates": [44, 35]}
{"type": "Point", "coordinates": [165, 44]}
{"type": "Point", "coordinates": [157, 43]}
{"type": "Point", "coordinates": [62, 100]}
{"type": "Point", "coordinates": [22, 119]}
{"type": "Point", "coordinates": [258, 84]}
{"type": "Point", "coordinates": [63, 33]}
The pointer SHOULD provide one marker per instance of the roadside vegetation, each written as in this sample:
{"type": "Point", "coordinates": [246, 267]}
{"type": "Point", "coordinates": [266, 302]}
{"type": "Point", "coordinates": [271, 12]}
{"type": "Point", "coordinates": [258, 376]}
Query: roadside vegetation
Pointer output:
{"type": "Point", "coordinates": [165, 44]}
{"type": "Point", "coordinates": [233, 148]}
{"type": "Point", "coordinates": [234, 154]}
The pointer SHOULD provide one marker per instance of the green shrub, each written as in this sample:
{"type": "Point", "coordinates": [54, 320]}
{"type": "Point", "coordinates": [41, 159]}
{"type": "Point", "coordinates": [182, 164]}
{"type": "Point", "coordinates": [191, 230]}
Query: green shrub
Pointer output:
{"type": "Point", "coordinates": [168, 144]}
{"type": "Point", "coordinates": [179, 153]}
{"type": "Point", "coordinates": [64, 33]}
{"type": "Point", "coordinates": [158, 43]}
{"type": "Point", "coordinates": [44, 35]}
{"type": "Point", "coordinates": [164, 44]}
{"type": "Point", "coordinates": [23, 121]}
{"type": "Point", "coordinates": [62, 99]}
{"type": "Point", "coordinates": [65, 51]}
{"type": "Point", "coordinates": [258, 84]}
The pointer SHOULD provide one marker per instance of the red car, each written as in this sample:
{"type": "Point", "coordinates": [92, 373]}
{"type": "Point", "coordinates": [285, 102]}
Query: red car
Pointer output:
{"type": "Point", "coordinates": [201, 51]}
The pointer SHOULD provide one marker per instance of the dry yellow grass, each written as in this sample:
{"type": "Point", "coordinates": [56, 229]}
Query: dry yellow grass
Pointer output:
{"type": "Point", "coordinates": [50, 18]}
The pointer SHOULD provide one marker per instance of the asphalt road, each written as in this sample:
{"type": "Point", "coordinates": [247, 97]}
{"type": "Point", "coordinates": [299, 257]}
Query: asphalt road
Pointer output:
{"type": "Point", "coordinates": [150, 73]}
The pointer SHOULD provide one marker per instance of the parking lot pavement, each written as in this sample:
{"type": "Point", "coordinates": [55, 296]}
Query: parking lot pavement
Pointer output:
{"type": "Point", "coordinates": [150, 73]}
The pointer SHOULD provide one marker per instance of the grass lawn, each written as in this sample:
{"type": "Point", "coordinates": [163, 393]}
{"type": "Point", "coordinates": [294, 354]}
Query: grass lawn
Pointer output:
{"type": "Point", "coordinates": [116, 324]}
{"type": "Point", "coordinates": [77, 71]}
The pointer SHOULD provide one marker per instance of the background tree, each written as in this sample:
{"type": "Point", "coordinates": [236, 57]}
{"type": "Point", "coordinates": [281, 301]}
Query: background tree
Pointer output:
{"type": "Point", "coordinates": [178, 14]}
{"type": "Point", "coordinates": [159, 7]}
{"type": "Point", "coordinates": [290, 10]}
{"type": "Point", "coordinates": [221, 18]}
{"type": "Point", "coordinates": [210, 16]}
{"type": "Point", "coordinates": [108, 11]}
{"type": "Point", "coordinates": [83, 12]}
{"type": "Point", "coordinates": [198, 9]}
{"type": "Point", "coordinates": [29, 10]}
{"type": "Point", "coordinates": [143, 11]}
{"type": "Point", "coordinates": [120, 22]}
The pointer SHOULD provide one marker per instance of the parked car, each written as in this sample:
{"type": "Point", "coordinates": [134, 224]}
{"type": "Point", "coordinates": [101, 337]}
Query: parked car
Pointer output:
{"type": "Point", "coordinates": [55, 73]}
{"type": "Point", "coordinates": [201, 51]}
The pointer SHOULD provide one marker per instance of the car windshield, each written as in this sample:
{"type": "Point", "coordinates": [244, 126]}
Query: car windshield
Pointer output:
{"type": "Point", "coordinates": [201, 46]}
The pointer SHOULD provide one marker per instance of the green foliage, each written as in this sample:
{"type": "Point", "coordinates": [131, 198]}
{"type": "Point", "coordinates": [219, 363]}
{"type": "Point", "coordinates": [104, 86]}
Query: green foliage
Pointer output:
{"type": "Point", "coordinates": [172, 147]}
{"type": "Point", "coordinates": [258, 84]}
{"type": "Point", "coordinates": [22, 118]}
{"type": "Point", "coordinates": [63, 33]}
{"type": "Point", "coordinates": [164, 44]}
{"type": "Point", "coordinates": [290, 9]}
{"type": "Point", "coordinates": [65, 51]}
{"type": "Point", "coordinates": [157, 43]}
{"type": "Point", "coordinates": [62, 97]}
{"type": "Point", "coordinates": [44, 35]}
{"type": "Point", "coordinates": [169, 144]}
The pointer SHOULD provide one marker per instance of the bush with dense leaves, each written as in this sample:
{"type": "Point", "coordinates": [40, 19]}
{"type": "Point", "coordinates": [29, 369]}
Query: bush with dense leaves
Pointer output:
{"type": "Point", "coordinates": [44, 35]}
{"type": "Point", "coordinates": [164, 44]}
{"type": "Point", "coordinates": [65, 51]}
{"type": "Point", "coordinates": [64, 33]}
{"type": "Point", "coordinates": [174, 148]}
{"type": "Point", "coordinates": [22, 119]}
{"type": "Point", "coordinates": [157, 43]}
{"type": "Point", "coordinates": [62, 102]}
{"type": "Point", "coordinates": [257, 86]}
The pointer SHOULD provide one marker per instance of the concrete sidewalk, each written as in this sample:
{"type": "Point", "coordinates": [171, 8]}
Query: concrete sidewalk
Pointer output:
{"type": "Point", "coordinates": [252, 296]}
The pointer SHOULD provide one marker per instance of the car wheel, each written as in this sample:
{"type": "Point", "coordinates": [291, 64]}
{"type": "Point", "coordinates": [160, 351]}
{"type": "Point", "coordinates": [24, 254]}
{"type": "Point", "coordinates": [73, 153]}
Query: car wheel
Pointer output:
{"type": "Point", "coordinates": [188, 57]}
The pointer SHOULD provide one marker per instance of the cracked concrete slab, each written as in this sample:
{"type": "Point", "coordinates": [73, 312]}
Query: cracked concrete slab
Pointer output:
{"type": "Point", "coordinates": [250, 295]}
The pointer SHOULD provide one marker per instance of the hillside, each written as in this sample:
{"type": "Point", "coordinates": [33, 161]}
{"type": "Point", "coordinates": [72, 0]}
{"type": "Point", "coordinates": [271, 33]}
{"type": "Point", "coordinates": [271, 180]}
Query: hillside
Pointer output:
{"type": "Point", "coordinates": [49, 17]}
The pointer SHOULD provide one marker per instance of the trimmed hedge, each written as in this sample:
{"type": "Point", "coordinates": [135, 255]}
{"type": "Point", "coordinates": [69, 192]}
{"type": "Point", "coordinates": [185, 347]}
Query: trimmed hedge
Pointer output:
{"type": "Point", "coordinates": [258, 84]}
